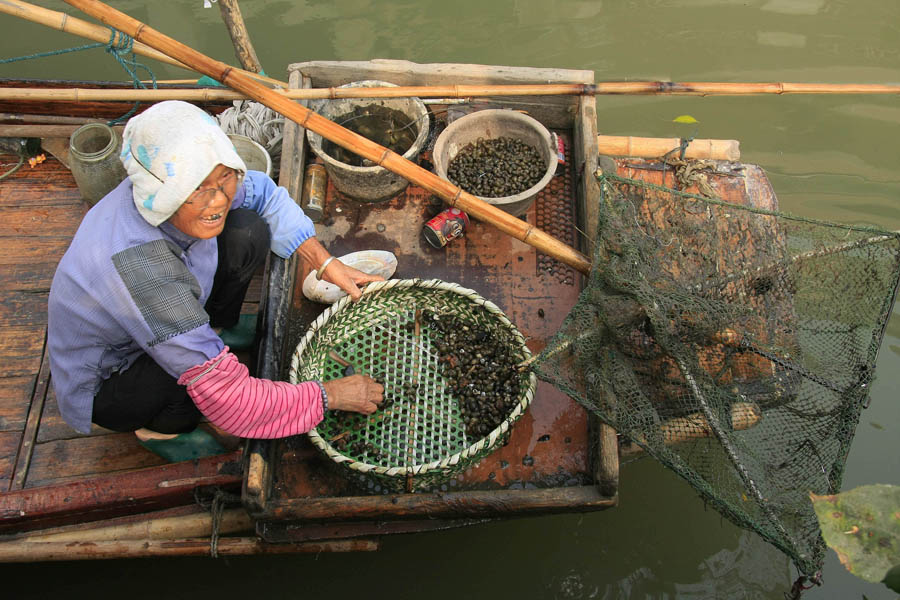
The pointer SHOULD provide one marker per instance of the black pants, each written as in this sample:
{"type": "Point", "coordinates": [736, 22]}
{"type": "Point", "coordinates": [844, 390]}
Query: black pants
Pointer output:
{"type": "Point", "coordinates": [145, 395]}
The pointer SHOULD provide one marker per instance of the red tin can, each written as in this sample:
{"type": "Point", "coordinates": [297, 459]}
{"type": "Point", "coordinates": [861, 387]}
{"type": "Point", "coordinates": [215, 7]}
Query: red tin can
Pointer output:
{"type": "Point", "coordinates": [560, 146]}
{"type": "Point", "coordinates": [447, 225]}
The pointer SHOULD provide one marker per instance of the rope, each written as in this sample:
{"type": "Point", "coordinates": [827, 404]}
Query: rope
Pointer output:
{"type": "Point", "coordinates": [52, 53]}
{"type": "Point", "coordinates": [216, 506]}
{"type": "Point", "coordinates": [123, 52]}
{"type": "Point", "coordinates": [15, 168]}
{"type": "Point", "coordinates": [257, 122]}
{"type": "Point", "coordinates": [121, 47]}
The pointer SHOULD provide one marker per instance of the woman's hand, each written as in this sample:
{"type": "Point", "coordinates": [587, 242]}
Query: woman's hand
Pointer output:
{"type": "Point", "coordinates": [356, 393]}
{"type": "Point", "coordinates": [348, 278]}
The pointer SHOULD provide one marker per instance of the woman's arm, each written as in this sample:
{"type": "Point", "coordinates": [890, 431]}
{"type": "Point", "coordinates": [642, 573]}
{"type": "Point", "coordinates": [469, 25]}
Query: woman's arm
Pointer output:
{"type": "Point", "coordinates": [246, 406]}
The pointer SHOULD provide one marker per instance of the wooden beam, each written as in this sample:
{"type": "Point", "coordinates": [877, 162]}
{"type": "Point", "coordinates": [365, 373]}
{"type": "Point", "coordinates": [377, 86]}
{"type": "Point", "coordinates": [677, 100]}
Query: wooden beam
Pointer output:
{"type": "Point", "coordinates": [243, 49]}
{"type": "Point", "coordinates": [53, 551]}
{"type": "Point", "coordinates": [449, 505]}
{"type": "Point", "coordinates": [108, 496]}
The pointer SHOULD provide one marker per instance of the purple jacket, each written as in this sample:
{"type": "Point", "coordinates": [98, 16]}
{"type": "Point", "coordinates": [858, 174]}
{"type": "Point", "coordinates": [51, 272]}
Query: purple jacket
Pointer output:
{"type": "Point", "coordinates": [125, 287]}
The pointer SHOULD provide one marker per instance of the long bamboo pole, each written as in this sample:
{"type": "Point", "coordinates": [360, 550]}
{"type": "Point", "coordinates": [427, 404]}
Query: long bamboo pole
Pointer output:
{"type": "Point", "coordinates": [63, 22]}
{"type": "Point", "coordinates": [646, 147]}
{"type": "Point", "coordinates": [658, 88]}
{"type": "Point", "coordinates": [356, 143]}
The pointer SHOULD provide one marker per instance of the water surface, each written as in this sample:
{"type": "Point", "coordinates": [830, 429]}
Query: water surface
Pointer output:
{"type": "Point", "coordinates": [829, 157]}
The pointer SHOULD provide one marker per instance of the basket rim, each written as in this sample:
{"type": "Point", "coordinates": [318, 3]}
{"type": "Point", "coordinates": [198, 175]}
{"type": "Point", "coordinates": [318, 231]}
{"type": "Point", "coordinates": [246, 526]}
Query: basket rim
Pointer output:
{"type": "Point", "coordinates": [486, 442]}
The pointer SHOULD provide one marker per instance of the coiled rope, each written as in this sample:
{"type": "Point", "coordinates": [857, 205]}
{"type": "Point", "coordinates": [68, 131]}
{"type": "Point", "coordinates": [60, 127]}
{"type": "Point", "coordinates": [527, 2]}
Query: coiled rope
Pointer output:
{"type": "Point", "coordinates": [257, 122]}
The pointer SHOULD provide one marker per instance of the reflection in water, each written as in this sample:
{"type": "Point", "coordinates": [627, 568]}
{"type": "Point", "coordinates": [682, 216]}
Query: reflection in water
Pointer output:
{"type": "Point", "coordinates": [795, 7]}
{"type": "Point", "coordinates": [781, 39]}
{"type": "Point", "coordinates": [751, 570]}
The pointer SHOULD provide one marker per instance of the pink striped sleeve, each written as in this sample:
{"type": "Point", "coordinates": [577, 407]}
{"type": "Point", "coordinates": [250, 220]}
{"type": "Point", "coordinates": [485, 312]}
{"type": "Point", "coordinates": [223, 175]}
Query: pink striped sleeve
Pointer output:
{"type": "Point", "coordinates": [245, 406]}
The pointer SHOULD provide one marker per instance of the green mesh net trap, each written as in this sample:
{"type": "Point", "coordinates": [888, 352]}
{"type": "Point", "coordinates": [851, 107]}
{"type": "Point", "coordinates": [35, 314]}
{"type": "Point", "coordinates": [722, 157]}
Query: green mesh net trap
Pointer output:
{"type": "Point", "coordinates": [735, 345]}
{"type": "Point", "coordinates": [447, 359]}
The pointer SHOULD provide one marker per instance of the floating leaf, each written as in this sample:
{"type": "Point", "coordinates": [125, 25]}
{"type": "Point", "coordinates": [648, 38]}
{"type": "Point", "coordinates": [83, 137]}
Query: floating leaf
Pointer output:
{"type": "Point", "coordinates": [863, 526]}
{"type": "Point", "coordinates": [685, 119]}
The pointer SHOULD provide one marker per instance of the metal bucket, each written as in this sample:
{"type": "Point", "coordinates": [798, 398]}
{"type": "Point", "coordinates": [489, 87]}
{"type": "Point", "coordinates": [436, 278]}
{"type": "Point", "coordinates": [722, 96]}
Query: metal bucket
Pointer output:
{"type": "Point", "coordinates": [254, 155]}
{"type": "Point", "coordinates": [369, 184]}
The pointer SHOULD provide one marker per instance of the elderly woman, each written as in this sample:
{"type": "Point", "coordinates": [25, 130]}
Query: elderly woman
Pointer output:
{"type": "Point", "coordinates": [160, 265]}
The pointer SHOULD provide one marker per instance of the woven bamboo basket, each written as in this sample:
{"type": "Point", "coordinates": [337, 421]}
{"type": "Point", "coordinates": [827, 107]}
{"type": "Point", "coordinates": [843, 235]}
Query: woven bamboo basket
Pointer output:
{"type": "Point", "coordinates": [420, 439]}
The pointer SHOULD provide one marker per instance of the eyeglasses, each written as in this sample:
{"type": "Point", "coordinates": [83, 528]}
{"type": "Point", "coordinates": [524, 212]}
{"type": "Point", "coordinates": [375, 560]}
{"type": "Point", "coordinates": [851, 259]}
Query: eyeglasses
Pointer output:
{"type": "Point", "coordinates": [203, 196]}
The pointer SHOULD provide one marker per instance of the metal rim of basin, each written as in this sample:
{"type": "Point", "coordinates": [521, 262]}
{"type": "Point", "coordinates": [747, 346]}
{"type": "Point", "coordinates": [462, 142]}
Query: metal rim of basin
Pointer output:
{"type": "Point", "coordinates": [421, 121]}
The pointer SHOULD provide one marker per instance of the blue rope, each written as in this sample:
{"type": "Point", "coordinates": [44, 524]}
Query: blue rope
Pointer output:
{"type": "Point", "coordinates": [121, 47]}
{"type": "Point", "coordinates": [52, 53]}
{"type": "Point", "coordinates": [123, 52]}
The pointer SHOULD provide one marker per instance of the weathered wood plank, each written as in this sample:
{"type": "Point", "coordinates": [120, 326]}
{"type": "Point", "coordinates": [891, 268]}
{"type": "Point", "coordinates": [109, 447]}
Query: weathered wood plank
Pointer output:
{"type": "Point", "coordinates": [553, 111]}
{"type": "Point", "coordinates": [21, 349]}
{"type": "Point", "coordinates": [35, 408]}
{"type": "Point", "coordinates": [27, 277]}
{"type": "Point", "coordinates": [48, 184]}
{"type": "Point", "coordinates": [23, 308]}
{"type": "Point", "coordinates": [15, 394]}
{"type": "Point", "coordinates": [71, 459]}
{"type": "Point", "coordinates": [33, 250]}
{"type": "Point", "coordinates": [112, 495]}
{"type": "Point", "coordinates": [282, 532]}
{"type": "Point", "coordinates": [9, 444]}
{"type": "Point", "coordinates": [404, 72]}
{"type": "Point", "coordinates": [454, 505]}
{"type": "Point", "coordinates": [40, 220]}
{"type": "Point", "coordinates": [53, 428]}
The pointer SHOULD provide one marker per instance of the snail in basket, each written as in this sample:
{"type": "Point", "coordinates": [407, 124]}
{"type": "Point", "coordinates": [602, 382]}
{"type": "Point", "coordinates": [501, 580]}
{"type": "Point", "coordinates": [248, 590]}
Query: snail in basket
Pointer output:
{"type": "Point", "coordinates": [479, 369]}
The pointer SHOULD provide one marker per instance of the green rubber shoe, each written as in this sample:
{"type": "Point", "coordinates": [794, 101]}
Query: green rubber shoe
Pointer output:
{"type": "Point", "coordinates": [186, 446]}
{"type": "Point", "coordinates": [242, 335]}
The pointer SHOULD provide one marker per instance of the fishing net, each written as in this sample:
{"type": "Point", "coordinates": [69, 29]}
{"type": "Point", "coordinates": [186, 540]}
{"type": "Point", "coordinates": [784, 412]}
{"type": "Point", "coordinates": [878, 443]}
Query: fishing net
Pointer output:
{"type": "Point", "coordinates": [735, 345]}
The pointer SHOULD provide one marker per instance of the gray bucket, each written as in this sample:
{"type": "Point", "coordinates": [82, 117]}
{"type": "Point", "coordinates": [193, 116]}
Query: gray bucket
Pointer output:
{"type": "Point", "coordinates": [369, 184]}
{"type": "Point", "coordinates": [492, 124]}
{"type": "Point", "coordinates": [254, 155]}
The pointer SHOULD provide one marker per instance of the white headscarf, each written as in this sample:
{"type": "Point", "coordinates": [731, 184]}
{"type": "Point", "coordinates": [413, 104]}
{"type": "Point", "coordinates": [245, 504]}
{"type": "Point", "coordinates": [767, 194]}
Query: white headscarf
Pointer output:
{"type": "Point", "coordinates": [168, 150]}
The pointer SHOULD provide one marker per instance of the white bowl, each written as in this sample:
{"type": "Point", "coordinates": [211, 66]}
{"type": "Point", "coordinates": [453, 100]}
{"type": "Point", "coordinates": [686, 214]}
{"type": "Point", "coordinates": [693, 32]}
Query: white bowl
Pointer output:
{"type": "Point", "coordinates": [373, 262]}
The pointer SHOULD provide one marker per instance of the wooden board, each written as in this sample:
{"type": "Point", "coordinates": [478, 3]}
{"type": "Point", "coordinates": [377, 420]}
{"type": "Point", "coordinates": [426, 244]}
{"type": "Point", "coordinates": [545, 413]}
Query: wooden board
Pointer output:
{"type": "Point", "coordinates": [15, 394]}
{"type": "Point", "coordinates": [9, 446]}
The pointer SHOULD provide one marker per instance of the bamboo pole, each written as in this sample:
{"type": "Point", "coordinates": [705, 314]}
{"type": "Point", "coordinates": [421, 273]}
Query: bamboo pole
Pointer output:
{"type": "Point", "coordinates": [63, 22]}
{"type": "Point", "coordinates": [46, 119]}
{"type": "Point", "coordinates": [240, 38]}
{"type": "Point", "coordinates": [660, 88]}
{"type": "Point", "coordinates": [647, 147]}
{"type": "Point", "coordinates": [705, 88]}
{"type": "Point", "coordinates": [233, 521]}
{"type": "Point", "coordinates": [229, 546]}
{"type": "Point", "coordinates": [43, 131]}
{"type": "Point", "coordinates": [366, 148]}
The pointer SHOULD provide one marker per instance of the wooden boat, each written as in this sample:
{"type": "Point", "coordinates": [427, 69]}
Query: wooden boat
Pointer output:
{"type": "Point", "coordinates": [64, 495]}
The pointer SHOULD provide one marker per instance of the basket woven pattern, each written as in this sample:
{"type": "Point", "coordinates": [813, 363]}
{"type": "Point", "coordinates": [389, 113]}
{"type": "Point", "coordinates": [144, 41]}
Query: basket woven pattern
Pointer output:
{"type": "Point", "coordinates": [418, 439]}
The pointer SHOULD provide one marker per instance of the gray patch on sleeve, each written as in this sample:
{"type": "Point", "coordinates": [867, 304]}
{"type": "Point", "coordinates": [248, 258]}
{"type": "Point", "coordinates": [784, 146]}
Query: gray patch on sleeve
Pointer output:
{"type": "Point", "coordinates": [165, 292]}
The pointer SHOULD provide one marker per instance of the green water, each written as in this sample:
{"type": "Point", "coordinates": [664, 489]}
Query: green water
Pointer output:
{"type": "Point", "coordinates": [832, 157]}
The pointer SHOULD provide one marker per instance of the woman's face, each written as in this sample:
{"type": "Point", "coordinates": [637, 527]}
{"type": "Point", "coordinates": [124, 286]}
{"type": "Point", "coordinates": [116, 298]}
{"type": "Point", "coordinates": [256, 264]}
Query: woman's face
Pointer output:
{"type": "Point", "coordinates": [203, 214]}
